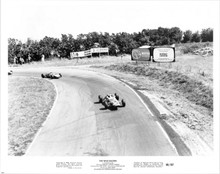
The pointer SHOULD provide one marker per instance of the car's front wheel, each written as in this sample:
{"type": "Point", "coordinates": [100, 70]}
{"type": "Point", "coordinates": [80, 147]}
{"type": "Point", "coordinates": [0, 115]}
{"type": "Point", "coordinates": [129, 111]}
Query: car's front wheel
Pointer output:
{"type": "Point", "coordinates": [117, 96]}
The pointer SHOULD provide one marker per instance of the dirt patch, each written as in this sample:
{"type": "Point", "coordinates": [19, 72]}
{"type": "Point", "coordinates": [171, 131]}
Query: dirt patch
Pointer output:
{"type": "Point", "coordinates": [30, 101]}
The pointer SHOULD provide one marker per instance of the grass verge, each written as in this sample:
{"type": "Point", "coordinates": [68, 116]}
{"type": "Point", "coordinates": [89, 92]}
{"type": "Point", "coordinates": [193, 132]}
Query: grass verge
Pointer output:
{"type": "Point", "coordinates": [30, 101]}
{"type": "Point", "coordinates": [193, 90]}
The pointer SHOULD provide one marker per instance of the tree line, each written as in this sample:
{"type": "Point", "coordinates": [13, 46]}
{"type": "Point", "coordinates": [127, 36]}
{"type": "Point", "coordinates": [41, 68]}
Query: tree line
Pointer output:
{"type": "Point", "coordinates": [122, 42]}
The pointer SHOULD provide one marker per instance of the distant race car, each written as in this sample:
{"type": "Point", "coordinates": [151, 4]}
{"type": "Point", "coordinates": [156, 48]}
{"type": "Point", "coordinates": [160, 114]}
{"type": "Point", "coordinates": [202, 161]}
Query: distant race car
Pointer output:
{"type": "Point", "coordinates": [111, 101]}
{"type": "Point", "coordinates": [51, 75]}
{"type": "Point", "coordinates": [10, 72]}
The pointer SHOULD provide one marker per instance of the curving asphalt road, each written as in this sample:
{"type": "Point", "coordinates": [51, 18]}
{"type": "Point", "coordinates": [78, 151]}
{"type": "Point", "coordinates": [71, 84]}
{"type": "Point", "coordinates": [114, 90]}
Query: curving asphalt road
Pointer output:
{"type": "Point", "coordinates": [78, 125]}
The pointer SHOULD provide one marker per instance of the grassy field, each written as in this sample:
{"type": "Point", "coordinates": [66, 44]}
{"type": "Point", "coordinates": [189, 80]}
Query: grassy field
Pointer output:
{"type": "Point", "coordinates": [57, 62]}
{"type": "Point", "coordinates": [30, 100]}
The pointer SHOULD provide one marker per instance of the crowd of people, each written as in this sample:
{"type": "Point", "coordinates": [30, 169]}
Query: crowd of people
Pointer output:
{"type": "Point", "coordinates": [21, 60]}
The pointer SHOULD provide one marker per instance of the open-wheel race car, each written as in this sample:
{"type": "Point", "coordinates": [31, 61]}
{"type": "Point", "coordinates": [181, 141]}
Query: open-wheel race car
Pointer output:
{"type": "Point", "coordinates": [51, 75]}
{"type": "Point", "coordinates": [10, 72]}
{"type": "Point", "coordinates": [111, 101]}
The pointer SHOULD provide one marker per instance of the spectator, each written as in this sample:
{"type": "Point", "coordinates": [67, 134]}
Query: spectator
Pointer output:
{"type": "Point", "coordinates": [116, 52]}
{"type": "Point", "coordinates": [15, 60]}
{"type": "Point", "coordinates": [29, 58]}
{"type": "Point", "coordinates": [42, 58]}
{"type": "Point", "coordinates": [21, 60]}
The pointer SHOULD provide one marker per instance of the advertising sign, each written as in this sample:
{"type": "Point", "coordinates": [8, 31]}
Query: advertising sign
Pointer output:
{"type": "Point", "coordinates": [99, 50]}
{"type": "Point", "coordinates": [141, 54]}
{"type": "Point", "coordinates": [164, 54]}
{"type": "Point", "coordinates": [88, 52]}
{"type": "Point", "coordinates": [77, 54]}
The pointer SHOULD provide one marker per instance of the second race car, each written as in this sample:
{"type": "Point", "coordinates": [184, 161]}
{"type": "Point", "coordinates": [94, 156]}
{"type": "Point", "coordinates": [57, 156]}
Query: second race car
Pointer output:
{"type": "Point", "coordinates": [51, 75]}
{"type": "Point", "coordinates": [10, 72]}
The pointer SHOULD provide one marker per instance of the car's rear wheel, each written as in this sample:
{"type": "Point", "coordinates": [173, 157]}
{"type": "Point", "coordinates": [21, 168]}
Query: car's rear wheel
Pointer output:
{"type": "Point", "coordinates": [123, 103]}
{"type": "Point", "coordinates": [100, 99]}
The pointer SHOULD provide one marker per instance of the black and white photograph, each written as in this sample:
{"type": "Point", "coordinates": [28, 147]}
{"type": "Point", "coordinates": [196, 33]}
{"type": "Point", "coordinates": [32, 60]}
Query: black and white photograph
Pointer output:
{"type": "Point", "coordinates": [110, 86]}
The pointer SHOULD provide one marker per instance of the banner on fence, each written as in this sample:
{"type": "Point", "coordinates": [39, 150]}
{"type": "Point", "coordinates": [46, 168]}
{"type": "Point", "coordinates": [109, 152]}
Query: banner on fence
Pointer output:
{"type": "Point", "coordinates": [99, 50]}
{"type": "Point", "coordinates": [77, 54]}
{"type": "Point", "coordinates": [87, 53]}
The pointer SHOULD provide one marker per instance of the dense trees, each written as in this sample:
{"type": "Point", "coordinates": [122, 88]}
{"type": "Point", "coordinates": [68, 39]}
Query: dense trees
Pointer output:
{"type": "Point", "coordinates": [14, 47]}
{"type": "Point", "coordinates": [187, 36]}
{"type": "Point", "coordinates": [196, 37]}
{"type": "Point", "coordinates": [207, 35]}
{"type": "Point", "coordinates": [120, 42]}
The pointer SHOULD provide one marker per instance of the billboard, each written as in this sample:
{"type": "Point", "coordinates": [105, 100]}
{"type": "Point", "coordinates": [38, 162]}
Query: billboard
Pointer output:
{"type": "Point", "coordinates": [141, 54]}
{"type": "Point", "coordinates": [163, 54]}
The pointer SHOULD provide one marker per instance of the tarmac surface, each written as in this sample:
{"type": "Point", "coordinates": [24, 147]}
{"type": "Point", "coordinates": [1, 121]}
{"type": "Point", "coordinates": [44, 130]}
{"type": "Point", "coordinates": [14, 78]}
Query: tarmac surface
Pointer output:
{"type": "Point", "coordinates": [80, 126]}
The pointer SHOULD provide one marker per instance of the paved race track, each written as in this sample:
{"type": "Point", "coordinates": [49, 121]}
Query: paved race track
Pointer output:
{"type": "Point", "coordinates": [79, 126]}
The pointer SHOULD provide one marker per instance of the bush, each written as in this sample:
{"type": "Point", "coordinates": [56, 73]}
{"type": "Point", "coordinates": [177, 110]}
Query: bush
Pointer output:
{"type": "Point", "coordinates": [191, 47]}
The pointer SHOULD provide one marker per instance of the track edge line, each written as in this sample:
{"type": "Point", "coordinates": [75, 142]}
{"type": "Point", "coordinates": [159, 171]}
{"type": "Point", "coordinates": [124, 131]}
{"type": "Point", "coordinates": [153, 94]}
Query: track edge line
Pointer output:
{"type": "Point", "coordinates": [49, 115]}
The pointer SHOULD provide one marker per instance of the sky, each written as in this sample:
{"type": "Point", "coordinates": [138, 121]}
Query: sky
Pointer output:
{"type": "Point", "coordinates": [39, 18]}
